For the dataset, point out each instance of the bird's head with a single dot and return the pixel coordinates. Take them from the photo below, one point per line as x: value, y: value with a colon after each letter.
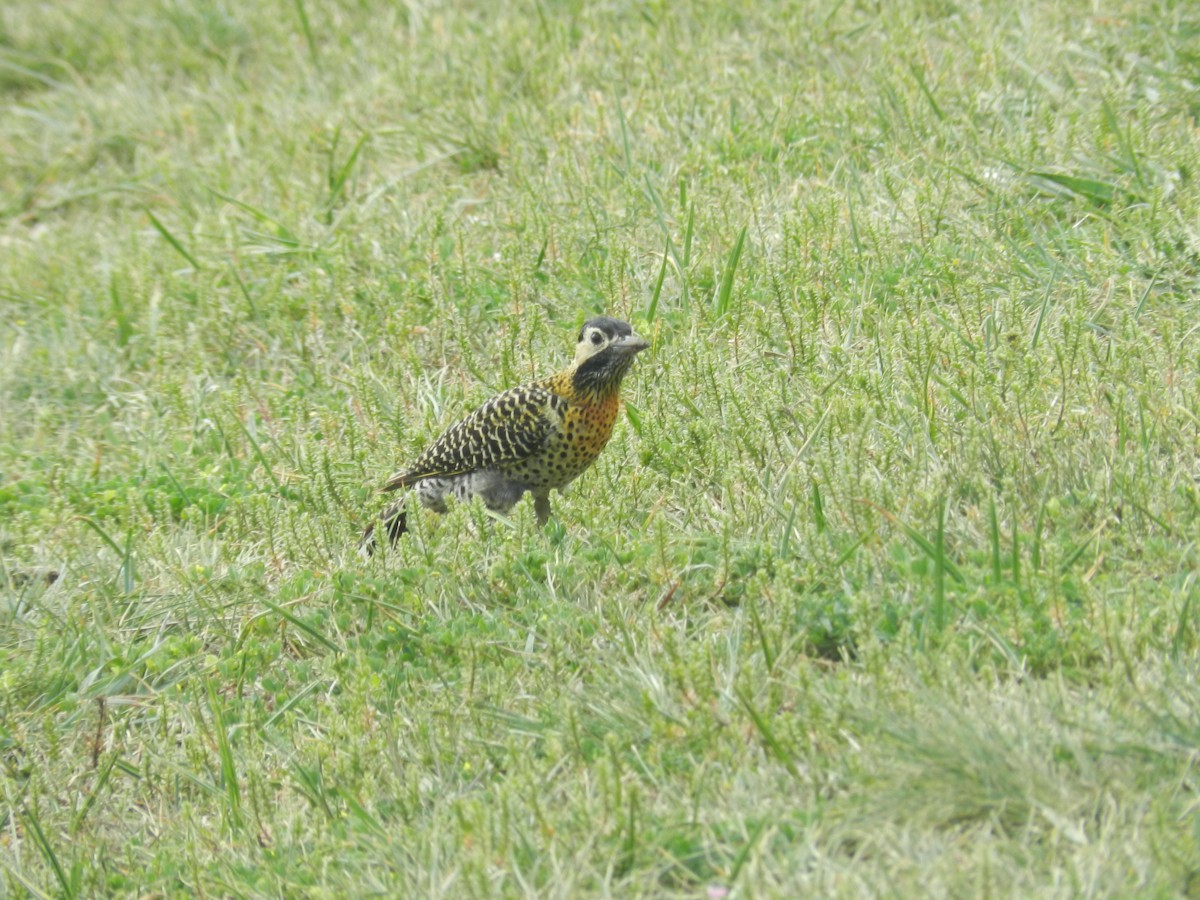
x: 604, y: 354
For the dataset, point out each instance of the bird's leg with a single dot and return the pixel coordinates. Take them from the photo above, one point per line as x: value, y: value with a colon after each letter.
x: 541, y: 506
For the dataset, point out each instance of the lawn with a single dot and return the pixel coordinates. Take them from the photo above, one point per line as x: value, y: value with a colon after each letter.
x: 887, y: 584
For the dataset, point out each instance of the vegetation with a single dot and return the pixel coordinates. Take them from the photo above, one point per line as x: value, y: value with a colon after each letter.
x: 887, y: 584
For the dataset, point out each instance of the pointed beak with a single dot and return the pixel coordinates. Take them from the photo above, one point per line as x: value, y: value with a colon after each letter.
x: 630, y: 344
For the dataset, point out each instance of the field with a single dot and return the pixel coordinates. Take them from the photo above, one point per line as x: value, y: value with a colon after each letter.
x: 887, y: 583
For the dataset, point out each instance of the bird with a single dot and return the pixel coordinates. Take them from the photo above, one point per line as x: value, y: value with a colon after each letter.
x: 532, y: 438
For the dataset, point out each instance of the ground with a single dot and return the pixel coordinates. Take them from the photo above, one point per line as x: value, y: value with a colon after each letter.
x: 887, y: 583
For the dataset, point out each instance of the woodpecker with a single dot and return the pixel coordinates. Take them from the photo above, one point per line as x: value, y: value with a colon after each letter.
x: 533, y: 438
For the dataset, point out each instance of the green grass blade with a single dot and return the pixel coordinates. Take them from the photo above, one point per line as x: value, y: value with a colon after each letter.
x: 661, y: 217
x: 97, y: 788
x: 282, y: 232
x: 941, y: 614
x: 303, y: 626
x: 308, y: 34
x: 768, y: 737
x: 228, y: 764
x: 918, y: 75
x: 173, y: 241
x: 635, y: 418
x: 1183, y: 623
x: 818, y: 508
x: 260, y: 456
x: 658, y: 286
x: 689, y: 233
x: 994, y: 535
x: 1041, y: 319
x: 34, y: 829
x: 338, y: 178
x: 725, y: 292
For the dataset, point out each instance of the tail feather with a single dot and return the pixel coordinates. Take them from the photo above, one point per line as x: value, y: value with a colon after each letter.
x: 394, y: 520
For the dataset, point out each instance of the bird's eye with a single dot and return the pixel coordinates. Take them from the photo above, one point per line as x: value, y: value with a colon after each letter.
x: 596, y: 337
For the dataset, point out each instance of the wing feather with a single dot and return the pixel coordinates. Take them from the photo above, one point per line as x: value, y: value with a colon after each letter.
x: 510, y: 427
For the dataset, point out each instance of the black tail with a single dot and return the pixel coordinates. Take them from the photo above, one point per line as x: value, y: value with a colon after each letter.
x: 394, y: 520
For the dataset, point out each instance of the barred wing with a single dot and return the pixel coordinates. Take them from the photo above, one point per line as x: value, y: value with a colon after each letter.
x: 510, y: 427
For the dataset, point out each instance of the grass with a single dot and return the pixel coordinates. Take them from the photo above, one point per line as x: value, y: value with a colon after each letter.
x: 887, y: 583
